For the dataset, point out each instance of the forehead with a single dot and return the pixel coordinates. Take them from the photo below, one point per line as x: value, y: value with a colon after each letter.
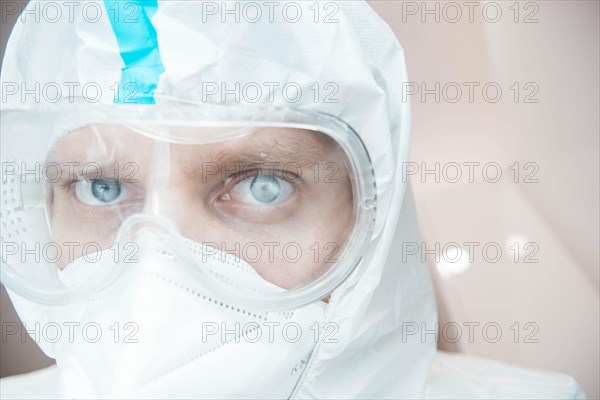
x: 138, y: 143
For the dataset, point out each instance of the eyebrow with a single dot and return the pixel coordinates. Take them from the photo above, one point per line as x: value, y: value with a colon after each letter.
x: 265, y: 146
x: 301, y: 149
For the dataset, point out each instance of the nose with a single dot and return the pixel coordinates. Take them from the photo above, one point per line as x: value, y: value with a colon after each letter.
x: 142, y: 226
x: 170, y: 209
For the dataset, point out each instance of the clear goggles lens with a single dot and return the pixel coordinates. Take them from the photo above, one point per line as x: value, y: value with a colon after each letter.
x: 286, y: 194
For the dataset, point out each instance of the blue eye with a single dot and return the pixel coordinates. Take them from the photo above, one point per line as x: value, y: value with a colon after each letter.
x: 262, y: 190
x: 265, y: 189
x: 99, y: 191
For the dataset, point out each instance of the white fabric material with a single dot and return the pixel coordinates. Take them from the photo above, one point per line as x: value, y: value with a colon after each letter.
x: 40, y: 384
x: 458, y: 376
x: 453, y: 376
x: 361, y: 55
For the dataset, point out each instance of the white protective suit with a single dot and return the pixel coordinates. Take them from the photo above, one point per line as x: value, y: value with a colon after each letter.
x: 375, y: 357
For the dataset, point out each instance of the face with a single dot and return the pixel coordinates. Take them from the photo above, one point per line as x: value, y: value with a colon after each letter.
x: 280, y: 199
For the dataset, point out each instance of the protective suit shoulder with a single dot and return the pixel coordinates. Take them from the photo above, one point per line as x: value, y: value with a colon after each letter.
x: 459, y: 376
x: 40, y: 384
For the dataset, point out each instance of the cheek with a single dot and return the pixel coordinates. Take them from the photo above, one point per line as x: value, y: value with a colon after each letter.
x: 77, y: 235
x: 300, y: 253
x: 297, y: 260
x: 73, y: 241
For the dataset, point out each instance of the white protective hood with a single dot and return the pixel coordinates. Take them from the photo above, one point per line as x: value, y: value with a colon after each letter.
x: 359, y: 53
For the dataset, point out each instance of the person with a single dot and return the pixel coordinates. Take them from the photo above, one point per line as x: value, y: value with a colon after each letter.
x: 215, y: 199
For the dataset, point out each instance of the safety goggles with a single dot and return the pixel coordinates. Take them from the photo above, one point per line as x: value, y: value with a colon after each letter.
x: 286, y: 193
